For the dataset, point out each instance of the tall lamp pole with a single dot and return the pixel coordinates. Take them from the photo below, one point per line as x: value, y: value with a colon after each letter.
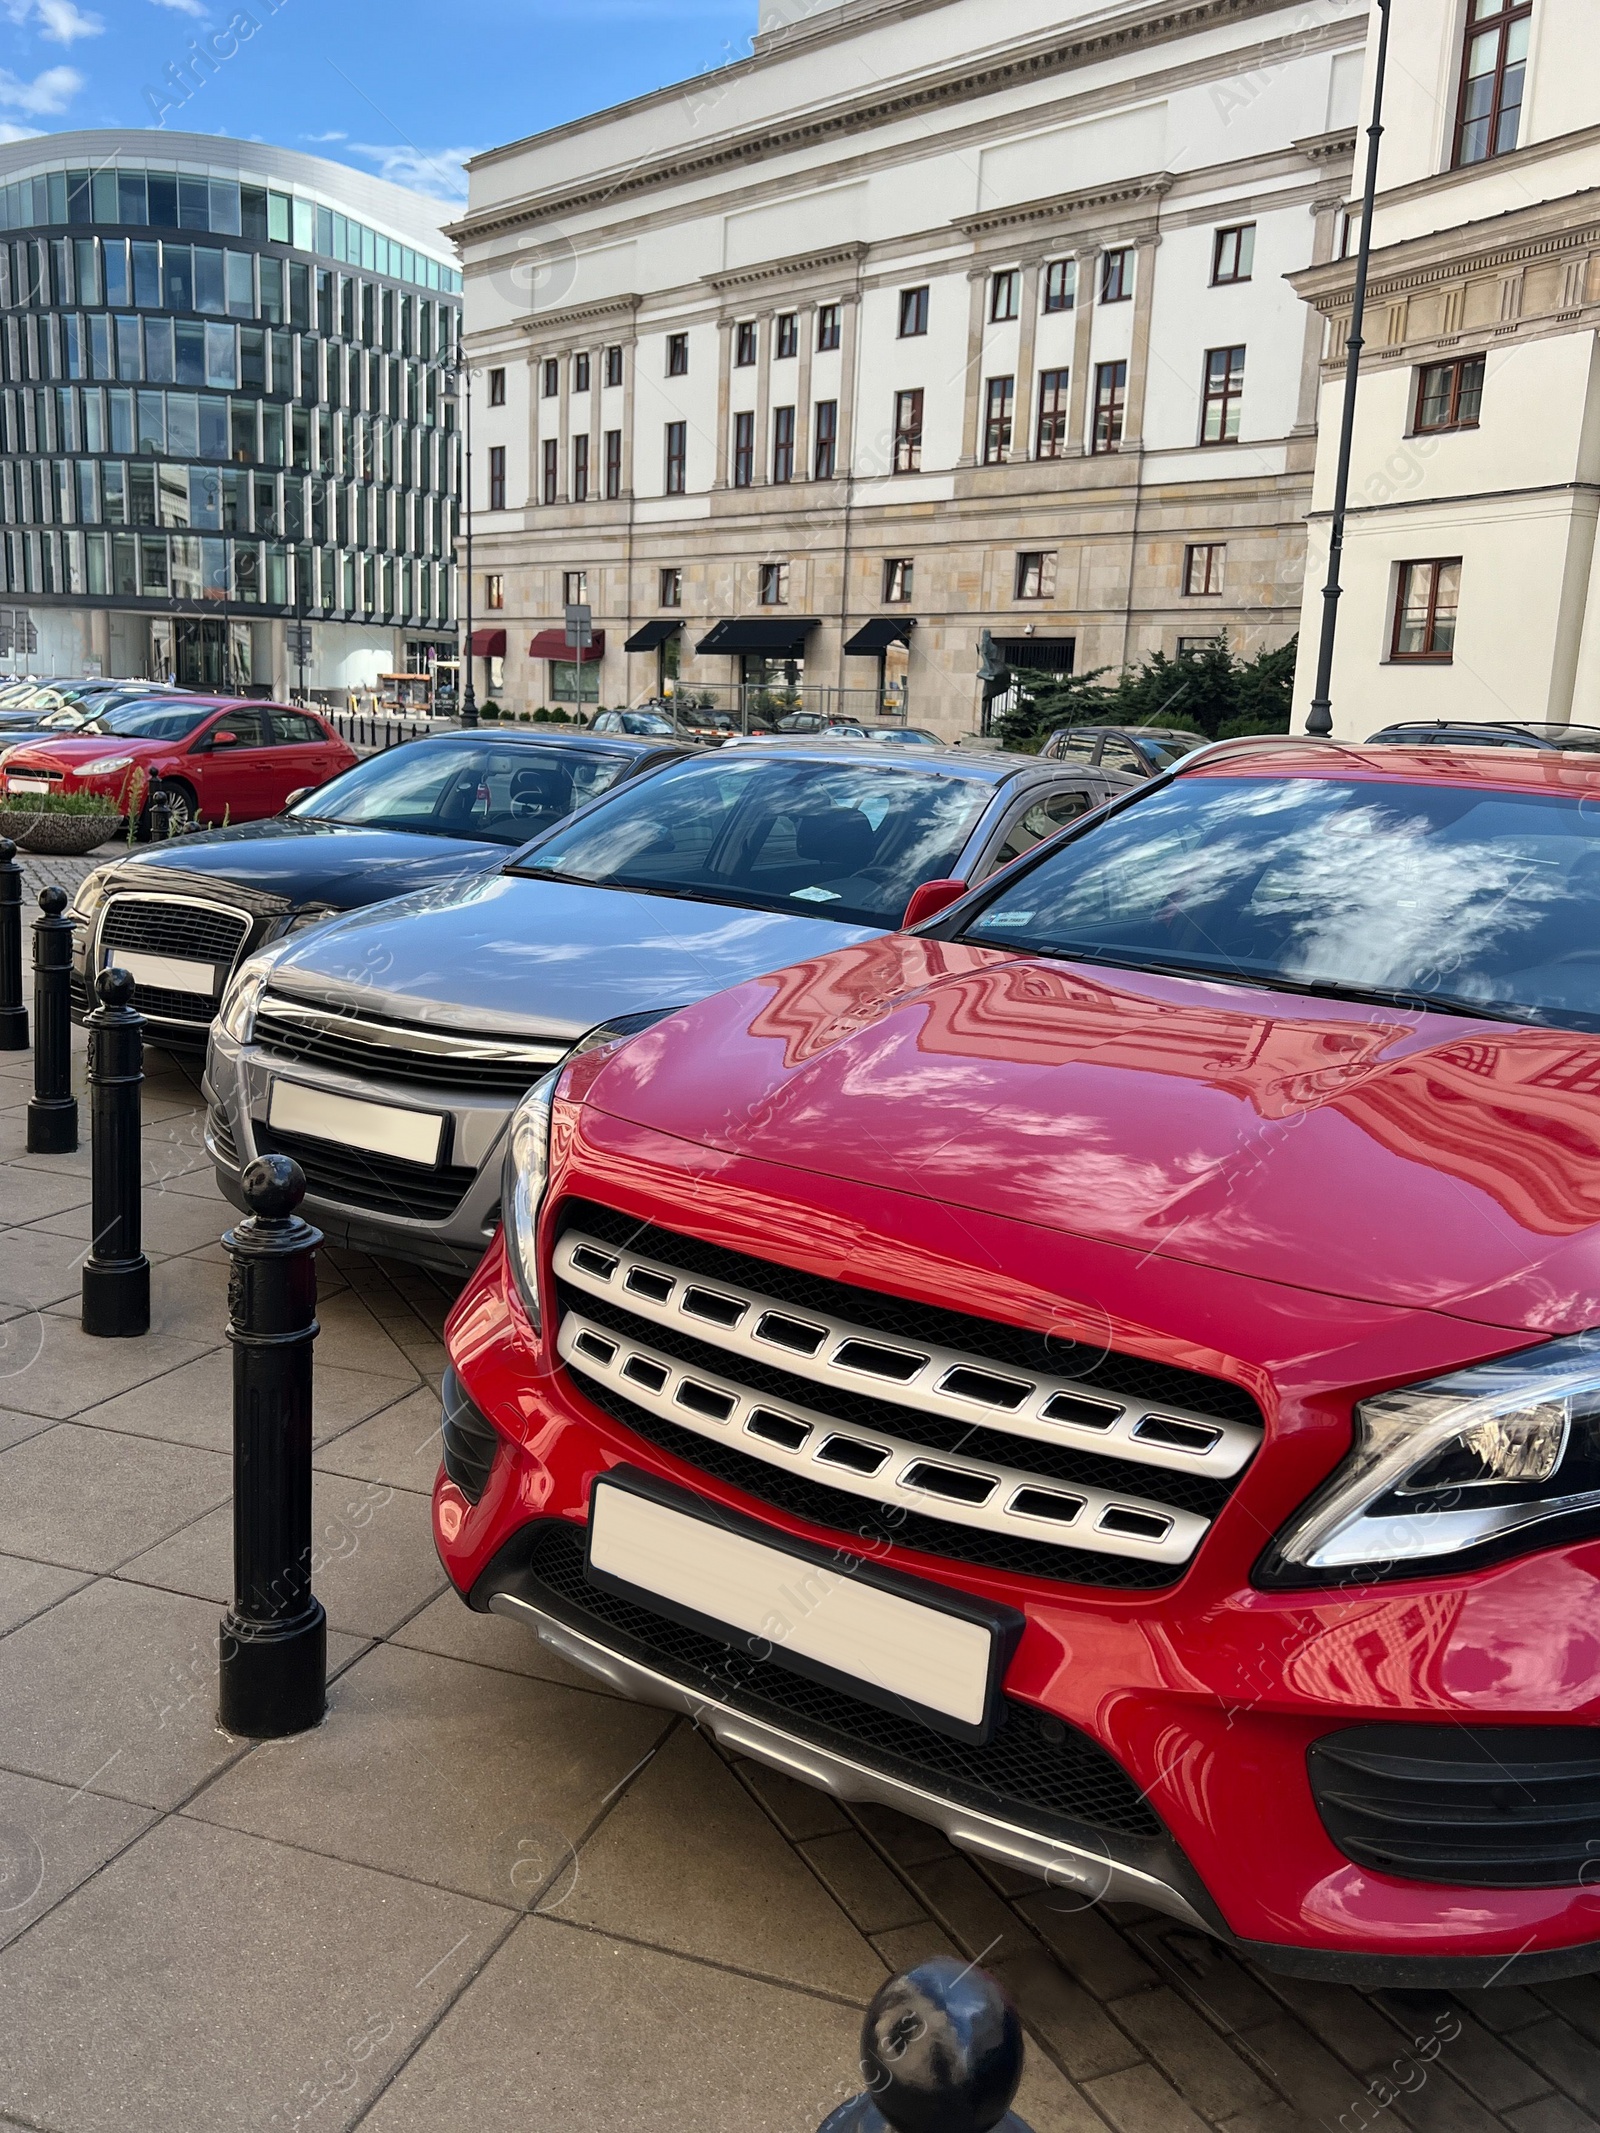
x: 1319, y: 718
x: 469, y: 697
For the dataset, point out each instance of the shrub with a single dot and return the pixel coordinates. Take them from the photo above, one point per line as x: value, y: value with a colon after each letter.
x: 489, y: 710
x: 1209, y: 690
x: 522, y: 718
x: 541, y: 717
x: 58, y: 803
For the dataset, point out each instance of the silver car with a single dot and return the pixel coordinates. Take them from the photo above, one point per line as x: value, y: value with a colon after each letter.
x: 385, y: 1050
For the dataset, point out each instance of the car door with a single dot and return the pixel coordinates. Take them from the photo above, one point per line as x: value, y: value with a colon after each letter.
x: 235, y: 780
x: 304, y: 754
x: 1037, y: 815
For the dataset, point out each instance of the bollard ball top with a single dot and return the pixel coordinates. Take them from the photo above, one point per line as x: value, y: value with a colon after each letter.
x: 274, y: 1185
x: 114, y: 987
x: 8, y: 851
x: 52, y: 901
x: 941, y: 2048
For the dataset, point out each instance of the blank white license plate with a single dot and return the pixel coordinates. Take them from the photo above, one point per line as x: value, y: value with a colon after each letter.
x: 382, y: 1129
x: 29, y: 785
x: 173, y: 973
x: 808, y: 1610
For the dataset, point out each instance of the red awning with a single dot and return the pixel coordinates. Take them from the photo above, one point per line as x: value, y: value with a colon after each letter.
x: 552, y: 644
x: 489, y: 644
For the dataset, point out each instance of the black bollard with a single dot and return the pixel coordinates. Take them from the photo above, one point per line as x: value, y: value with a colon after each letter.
x: 53, y: 1113
x: 941, y: 2052
x: 13, y: 1011
x: 274, y: 1649
x: 116, y: 1274
x: 159, y: 818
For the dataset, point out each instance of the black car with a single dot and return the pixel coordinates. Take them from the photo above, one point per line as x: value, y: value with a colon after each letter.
x: 180, y: 915
x: 1503, y: 733
x: 1146, y: 751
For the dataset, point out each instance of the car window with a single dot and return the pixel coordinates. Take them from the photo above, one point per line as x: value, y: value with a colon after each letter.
x: 650, y: 723
x: 249, y: 725
x: 1076, y: 741
x: 1042, y: 820
x: 1119, y: 753
x: 1162, y: 750
x: 298, y: 729
x: 840, y: 841
x: 1444, y: 892
x: 465, y: 788
x: 607, y: 722
x: 157, y: 721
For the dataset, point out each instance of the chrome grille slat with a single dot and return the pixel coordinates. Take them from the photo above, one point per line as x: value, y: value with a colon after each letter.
x: 183, y: 926
x: 364, y: 1044
x: 1221, y: 1449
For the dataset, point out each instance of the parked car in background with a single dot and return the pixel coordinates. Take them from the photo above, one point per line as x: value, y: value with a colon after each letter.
x: 1504, y: 733
x: 204, y: 758
x: 385, y: 1050
x: 182, y: 915
x: 1145, y: 751
x: 644, y: 725
x: 1114, y: 1373
x: 40, y: 715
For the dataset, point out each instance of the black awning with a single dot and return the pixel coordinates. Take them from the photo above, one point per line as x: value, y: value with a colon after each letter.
x: 882, y: 631
x: 776, y: 637
x: 654, y: 633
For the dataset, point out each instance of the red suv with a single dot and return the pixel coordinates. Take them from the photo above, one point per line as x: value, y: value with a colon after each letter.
x: 1113, y: 1373
x: 209, y: 758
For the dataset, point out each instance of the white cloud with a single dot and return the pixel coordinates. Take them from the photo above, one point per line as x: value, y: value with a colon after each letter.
x: 183, y: 7
x: 46, y: 94
x: 64, y: 23
x: 8, y: 132
x: 436, y: 172
x: 324, y: 137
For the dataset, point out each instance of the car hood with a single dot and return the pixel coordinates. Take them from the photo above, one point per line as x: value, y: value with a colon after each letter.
x: 507, y: 953
x: 1402, y: 1159
x: 305, y: 862
x: 73, y: 748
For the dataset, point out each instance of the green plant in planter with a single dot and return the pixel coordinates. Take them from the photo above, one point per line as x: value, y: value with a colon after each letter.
x: 59, y: 803
x: 490, y: 710
x: 522, y: 718
x: 541, y: 717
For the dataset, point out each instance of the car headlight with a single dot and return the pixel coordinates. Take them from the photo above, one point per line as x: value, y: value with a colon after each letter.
x: 1501, y: 1456
x: 526, y: 1174
x: 90, y: 894
x: 239, y: 1003
x: 104, y: 765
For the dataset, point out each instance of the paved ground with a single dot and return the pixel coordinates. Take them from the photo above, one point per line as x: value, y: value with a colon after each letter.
x: 486, y: 1894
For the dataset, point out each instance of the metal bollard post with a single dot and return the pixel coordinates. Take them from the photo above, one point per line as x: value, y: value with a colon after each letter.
x: 116, y: 1274
x: 53, y: 1112
x: 13, y: 1011
x: 159, y: 816
x: 941, y: 2052
x: 274, y: 1650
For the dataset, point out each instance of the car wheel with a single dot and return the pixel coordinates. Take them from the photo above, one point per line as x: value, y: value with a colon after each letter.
x: 183, y: 809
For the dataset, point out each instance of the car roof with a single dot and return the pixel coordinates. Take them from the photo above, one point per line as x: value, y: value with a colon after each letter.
x: 562, y: 737
x: 987, y: 768
x: 1150, y: 733
x: 1272, y: 755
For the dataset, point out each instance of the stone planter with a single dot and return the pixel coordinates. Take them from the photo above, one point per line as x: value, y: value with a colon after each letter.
x: 61, y: 836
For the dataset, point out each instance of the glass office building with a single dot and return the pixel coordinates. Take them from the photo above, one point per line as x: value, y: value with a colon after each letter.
x: 225, y: 413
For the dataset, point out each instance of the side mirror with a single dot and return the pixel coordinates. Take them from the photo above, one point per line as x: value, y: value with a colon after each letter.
x: 224, y: 739
x: 932, y: 898
x: 301, y: 792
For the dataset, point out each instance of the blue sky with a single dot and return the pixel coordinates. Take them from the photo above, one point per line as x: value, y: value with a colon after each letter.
x: 405, y: 88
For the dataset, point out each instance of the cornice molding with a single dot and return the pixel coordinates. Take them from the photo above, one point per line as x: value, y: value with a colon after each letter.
x: 578, y: 314
x: 1328, y: 147
x: 1457, y: 254
x: 843, y: 255
x: 1475, y: 174
x: 1063, y: 205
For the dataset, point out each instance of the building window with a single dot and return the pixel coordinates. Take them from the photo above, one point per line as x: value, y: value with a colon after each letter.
x: 497, y: 388
x: 671, y: 587
x: 1425, y: 603
x: 677, y: 458
x: 783, y: 444
x: 829, y: 328
x: 1233, y: 256
x: 788, y: 335
x: 552, y: 378
x: 1187, y: 646
x: 908, y: 432
x: 552, y: 470
x: 913, y: 313
x: 1202, y: 567
x: 1110, y: 404
x: 580, y: 469
x: 744, y: 449
x: 677, y: 355
x: 744, y: 343
x: 574, y: 588
x: 1450, y: 395
x: 997, y: 421
x: 614, y: 366
x: 898, y: 575
x: 825, y: 449
x: 1052, y: 414
x: 1005, y: 295
x: 497, y: 477
x: 1492, y: 69
x: 774, y: 585
x: 580, y: 373
x: 613, y: 464
x: 1116, y: 275
x: 494, y: 590
x: 1060, y: 285
x: 1224, y: 391
x: 1036, y: 574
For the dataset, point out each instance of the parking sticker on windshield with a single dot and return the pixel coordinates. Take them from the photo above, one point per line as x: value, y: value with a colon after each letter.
x: 816, y: 896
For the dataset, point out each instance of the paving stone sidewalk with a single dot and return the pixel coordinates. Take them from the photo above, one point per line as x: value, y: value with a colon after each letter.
x: 487, y: 1894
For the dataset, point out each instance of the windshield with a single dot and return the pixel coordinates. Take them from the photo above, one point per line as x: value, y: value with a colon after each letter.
x: 465, y: 788
x: 1163, y: 749
x: 1445, y: 894
x: 833, y: 840
x: 148, y: 720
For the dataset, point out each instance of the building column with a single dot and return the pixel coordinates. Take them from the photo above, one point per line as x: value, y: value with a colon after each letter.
x: 849, y: 383
x: 564, y: 426
x: 724, y: 396
x: 1083, y: 299
x: 1144, y: 269
x: 807, y: 330
x: 597, y: 421
x: 1325, y: 214
x: 763, y: 465
x: 630, y: 350
x: 1023, y: 399
x: 977, y: 284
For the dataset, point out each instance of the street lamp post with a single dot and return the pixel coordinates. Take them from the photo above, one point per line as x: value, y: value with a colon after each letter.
x: 1319, y: 718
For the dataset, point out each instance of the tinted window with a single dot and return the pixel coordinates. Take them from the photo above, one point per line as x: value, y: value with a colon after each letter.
x: 1120, y: 754
x: 160, y: 721
x: 1444, y: 892
x: 249, y: 728
x: 1162, y: 749
x: 1042, y: 820
x: 465, y: 789
x: 298, y: 728
x: 837, y: 840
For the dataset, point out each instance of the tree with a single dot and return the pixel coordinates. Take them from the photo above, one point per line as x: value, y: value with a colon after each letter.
x: 1206, y: 689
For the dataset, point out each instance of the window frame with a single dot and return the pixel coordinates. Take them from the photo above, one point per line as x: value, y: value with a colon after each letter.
x: 1057, y: 384
x: 785, y: 432
x: 675, y: 473
x: 574, y: 588
x: 613, y: 465
x: 1005, y: 296
x: 494, y: 591
x: 497, y: 386
x: 1046, y: 561
x: 497, y: 477
x: 550, y: 378
x: 669, y: 586
x: 613, y: 370
x: 743, y: 469
x: 1213, y: 570
x: 1226, y: 397
x: 1110, y: 400
x: 746, y: 344
x: 825, y: 440
x: 914, y: 312
x: 550, y: 486
x: 786, y: 336
x: 1239, y: 232
x: 1430, y: 656
x: 677, y: 355
x: 582, y: 371
x: 772, y: 584
x: 830, y: 328
x: 1116, y: 267
x: 1502, y: 20
x: 1064, y: 298
x: 910, y: 414
x: 1457, y: 366
x: 899, y: 580
x: 999, y: 420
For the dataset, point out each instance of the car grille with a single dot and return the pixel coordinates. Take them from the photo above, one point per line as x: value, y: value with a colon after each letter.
x: 1475, y: 1807
x: 368, y: 1046
x: 173, y: 926
x: 222, y: 1141
x: 1033, y: 1762
x: 954, y: 1435
x: 351, y: 1177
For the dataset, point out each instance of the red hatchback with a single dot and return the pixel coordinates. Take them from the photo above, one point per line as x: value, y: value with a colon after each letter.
x: 210, y: 758
x: 1116, y: 1372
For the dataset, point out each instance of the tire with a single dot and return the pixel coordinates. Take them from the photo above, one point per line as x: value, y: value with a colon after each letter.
x: 183, y: 808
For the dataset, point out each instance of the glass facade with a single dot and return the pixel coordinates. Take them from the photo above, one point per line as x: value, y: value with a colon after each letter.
x: 219, y: 397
